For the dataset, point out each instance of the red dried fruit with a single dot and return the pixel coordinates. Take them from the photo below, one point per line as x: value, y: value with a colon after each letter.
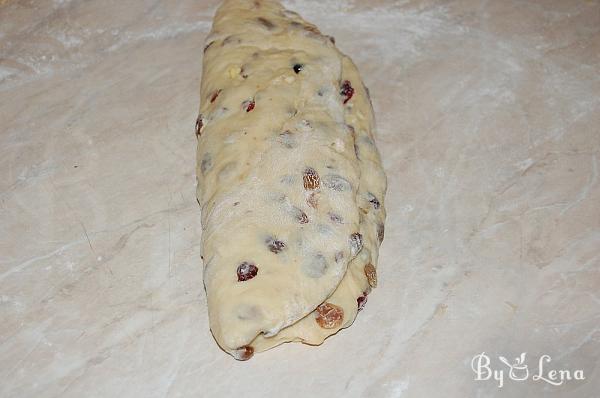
x: 246, y: 271
x: 361, y: 301
x: 356, y: 243
x: 275, y: 245
x: 243, y: 353
x: 380, y: 232
x: 248, y: 105
x: 329, y: 316
x: 311, y: 179
x: 313, y: 200
x: 199, y: 126
x: 347, y: 91
x: 371, y: 274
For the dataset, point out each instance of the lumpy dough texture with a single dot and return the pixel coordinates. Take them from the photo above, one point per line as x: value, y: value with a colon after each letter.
x: 289, y: 180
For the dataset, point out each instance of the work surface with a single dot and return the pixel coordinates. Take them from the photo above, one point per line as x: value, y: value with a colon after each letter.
x: 488, y: 123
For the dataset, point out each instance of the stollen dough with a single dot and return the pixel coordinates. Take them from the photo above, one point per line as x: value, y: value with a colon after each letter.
x: 289, y: 181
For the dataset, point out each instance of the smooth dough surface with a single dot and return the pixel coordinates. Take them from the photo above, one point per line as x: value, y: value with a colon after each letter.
x: 289, y: 180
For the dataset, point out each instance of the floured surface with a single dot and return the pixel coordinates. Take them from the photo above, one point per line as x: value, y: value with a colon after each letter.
x: 487, y: 118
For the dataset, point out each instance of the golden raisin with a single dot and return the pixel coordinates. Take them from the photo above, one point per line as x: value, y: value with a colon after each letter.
x: 329, y: 316
x: 371, y: 274
x: 311, y: 179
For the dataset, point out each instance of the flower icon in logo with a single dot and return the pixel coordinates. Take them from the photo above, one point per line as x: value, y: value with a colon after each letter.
x: 517, y: 371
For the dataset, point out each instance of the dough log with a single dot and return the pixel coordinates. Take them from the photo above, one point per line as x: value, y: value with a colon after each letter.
x: 290, y: 181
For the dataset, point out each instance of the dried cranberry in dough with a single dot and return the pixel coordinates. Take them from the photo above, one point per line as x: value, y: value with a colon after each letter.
x: 361, y: 301
x: 246, y: 271
x: 346, y: 91
x: 248, y: 105
x: 329, y: 316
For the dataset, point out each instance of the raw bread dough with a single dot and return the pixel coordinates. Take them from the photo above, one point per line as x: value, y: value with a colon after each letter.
x: 289, y: 180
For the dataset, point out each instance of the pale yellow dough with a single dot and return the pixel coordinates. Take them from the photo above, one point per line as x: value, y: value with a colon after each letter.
x: 272, y: 113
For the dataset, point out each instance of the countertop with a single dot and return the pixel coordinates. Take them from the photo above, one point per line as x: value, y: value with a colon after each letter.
x: 488, y: 119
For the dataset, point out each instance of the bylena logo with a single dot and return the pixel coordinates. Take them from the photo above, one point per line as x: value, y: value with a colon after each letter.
x: 519, y: 371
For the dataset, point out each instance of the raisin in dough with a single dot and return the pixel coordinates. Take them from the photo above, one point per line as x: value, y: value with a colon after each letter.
x: 289, y: 181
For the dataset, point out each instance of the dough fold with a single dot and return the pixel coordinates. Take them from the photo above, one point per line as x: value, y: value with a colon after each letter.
x: 290, y: 181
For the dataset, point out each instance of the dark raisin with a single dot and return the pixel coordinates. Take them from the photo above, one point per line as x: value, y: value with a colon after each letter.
x: 243, y: 353
x: 356, y: 243
x: 246, y: 271
x: 361, y: 301
x: 298, y: 68
x: 346, y: 91
x: 311, y: 179
x: 248, y: 105
x: 373, y: 200
x: 199, y: 125
x: 266, y: 23
x: 215, y: 95
x: 275, y: 245
x: 380, y: 232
